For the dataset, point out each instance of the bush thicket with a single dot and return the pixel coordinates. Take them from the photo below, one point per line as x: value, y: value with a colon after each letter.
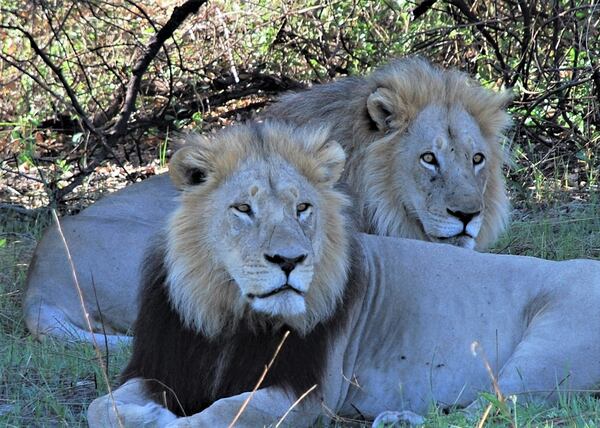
x: 69, y: 71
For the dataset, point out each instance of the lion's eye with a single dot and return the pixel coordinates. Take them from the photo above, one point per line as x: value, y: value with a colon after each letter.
x: 429, y: 158
x: 242, y: 208
x: 300, y: 208
x: 478, y: 158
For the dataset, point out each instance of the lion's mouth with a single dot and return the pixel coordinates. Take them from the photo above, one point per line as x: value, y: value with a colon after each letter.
x: 285, y: 287
x: 459, y: 235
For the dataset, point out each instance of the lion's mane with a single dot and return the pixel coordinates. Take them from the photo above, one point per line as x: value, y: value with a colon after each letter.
x: 191, y: 316
x: 413, y: 84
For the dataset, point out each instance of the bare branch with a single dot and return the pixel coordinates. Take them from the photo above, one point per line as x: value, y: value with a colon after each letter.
x: 596, y: 78
x: 13, y: 63
x: 180, y: 13
x: 422, y: 8
x: 466, y: 11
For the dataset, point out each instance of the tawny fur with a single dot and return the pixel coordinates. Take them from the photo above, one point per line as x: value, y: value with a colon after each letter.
x: 199, y: 284
x: 353, y: 108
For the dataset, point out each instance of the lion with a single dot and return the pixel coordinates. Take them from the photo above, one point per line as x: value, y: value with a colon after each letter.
x: 423, y: 161
x: 424, y: 149
x: 261, y: 254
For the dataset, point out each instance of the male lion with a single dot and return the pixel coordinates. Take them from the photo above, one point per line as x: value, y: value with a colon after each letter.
x: 260, y: 245
x: 424, y: 149
x: 424, y: 162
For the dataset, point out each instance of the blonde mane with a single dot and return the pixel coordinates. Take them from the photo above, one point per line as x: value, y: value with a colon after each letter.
x: 415, y: 83
x: 200, y: 287
x: 404, y: 87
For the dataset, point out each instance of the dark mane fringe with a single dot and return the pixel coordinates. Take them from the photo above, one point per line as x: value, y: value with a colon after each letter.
x: 188, y: 372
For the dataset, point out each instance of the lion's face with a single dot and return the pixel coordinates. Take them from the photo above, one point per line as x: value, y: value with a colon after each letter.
x: 260, y: 233
x: 436, y: 173
x: 446, y: 155
x: 267, y: 231
x: 432, y: 169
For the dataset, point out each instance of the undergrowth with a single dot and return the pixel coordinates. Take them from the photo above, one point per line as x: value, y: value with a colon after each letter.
x: 41, y: 384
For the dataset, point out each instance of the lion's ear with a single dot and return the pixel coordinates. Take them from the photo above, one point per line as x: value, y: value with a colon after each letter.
x: 380, y: 106
x: 188, y: 167
x: 331, y: 158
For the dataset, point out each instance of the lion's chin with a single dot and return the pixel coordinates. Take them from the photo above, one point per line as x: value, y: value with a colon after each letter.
x: 285, y: 303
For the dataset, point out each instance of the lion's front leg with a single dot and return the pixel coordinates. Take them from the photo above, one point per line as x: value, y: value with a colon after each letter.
x: 265, y: 408
x: 128, y: 407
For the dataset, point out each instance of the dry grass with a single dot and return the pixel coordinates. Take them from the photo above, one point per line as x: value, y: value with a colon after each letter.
x: 41, y: 384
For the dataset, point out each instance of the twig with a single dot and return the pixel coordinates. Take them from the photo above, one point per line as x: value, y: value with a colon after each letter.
x: 260, y: 381
x: 20, y: 174
x: 19, y: 209
x: 466, y: 11
x: 422, y: 8
x: 477, y: 349
x: 180, y: 13
x: 71, y: 94
x: 596, y: 78
x: 58, y: 73
x: 227, y: 45
x: 167, y: 104
x: 10, y: 61
x: 77, y: 179
x: 280, y: 421
x: 56, y: 35
x: 548, y: 94
x: 485, y: 415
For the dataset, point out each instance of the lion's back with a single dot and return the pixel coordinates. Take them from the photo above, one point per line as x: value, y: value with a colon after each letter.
x: 335, y: 105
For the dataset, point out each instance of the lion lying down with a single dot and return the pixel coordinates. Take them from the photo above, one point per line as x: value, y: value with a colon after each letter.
x: 424, y: 161
x: 260, y: 245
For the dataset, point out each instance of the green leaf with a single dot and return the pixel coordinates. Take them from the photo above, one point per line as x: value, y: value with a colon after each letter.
x: 77, y: 137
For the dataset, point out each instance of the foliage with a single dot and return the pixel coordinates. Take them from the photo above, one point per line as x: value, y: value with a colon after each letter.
x: 232, y: 57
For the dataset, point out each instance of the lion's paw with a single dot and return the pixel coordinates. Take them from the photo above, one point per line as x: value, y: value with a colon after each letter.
x: 149, y: 416
x: 391, y: 418
x: 157, y: 415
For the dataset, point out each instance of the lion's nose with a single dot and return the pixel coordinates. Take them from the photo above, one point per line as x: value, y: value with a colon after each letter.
x: 462, y: 216
x: 287, y: 264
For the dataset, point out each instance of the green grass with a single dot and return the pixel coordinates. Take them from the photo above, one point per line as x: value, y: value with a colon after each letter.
x: 582, y: 411
x: 41, y: 384
x: 51, y: 384
x: 557, y: 232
